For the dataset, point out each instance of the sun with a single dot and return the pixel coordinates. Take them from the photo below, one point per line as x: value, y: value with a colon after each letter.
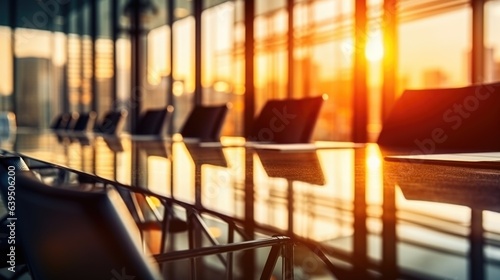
x: 374, y: 49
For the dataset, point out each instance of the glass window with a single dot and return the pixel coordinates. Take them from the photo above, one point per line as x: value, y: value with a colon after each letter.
x: 271, y: 63
x: 219, y: 64
x: 74, y: 71
x: 374, y: 54
x: 492, y: 42
x: 104, y: 59
x: 123, y: 57
x: 434, y: 49
x: 157, y: 58
x: 183, y: 72
x: 182, y: 9
x: 158, y: 67
x: 33, y: 58
x: 6, y: 56
x: 87, y: 59
x: 323, y: 62
x: 6, y: 69
x: 265, y: 6
x: 123, y: 72
x: 58, y: 65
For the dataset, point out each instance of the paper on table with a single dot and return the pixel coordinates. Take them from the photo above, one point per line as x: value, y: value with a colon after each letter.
x: 286, y: 147
x: 210, y: 144
x: 457, y: 157
x: 147, y: 138
x: 487, y: 160
x: 307, y: 146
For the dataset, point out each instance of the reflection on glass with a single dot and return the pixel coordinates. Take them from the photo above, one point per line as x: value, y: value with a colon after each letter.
x: 158, y: 180
x: 323, y: 213
x: 183, y: 173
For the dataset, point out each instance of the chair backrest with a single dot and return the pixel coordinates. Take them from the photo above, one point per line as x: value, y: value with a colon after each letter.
x: 112, y: 123
x: 85, y: 122
x: 205, y: 122
x: 287, y: 120
x: 451, y: 119
x: 60, y: 121
x: 56, y: 123
x: 153, y: 121
x: 65, y: 121
x: 73, y: 234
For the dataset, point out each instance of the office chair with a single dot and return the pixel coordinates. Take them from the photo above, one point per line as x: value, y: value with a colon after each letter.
x: 205, y: 122
x: 60, y: 121
x: 64, y: 121
x: 448, y: 119
x: 287, y: 120
x: 152, y: 122
x: 85, y: 122
x: 70, y: 234
x: 112, y: 123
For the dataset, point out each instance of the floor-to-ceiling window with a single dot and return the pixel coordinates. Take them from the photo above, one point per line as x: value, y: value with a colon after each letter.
x: 87, y: 57
x: 157, y: 59
x: 104, y: 58
x: 434, y: 45
x: 323, y: 62
x: 492, y: 41
x: 75, y: 68
x: 222, y: 67
x: 374, y: 54
x: 434, y: 50
x: 39, y: 57
x: 183, y: 44
x: 123, y: 59
x: 270, y: 35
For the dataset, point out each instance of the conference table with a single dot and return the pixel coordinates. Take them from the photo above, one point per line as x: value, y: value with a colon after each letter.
x: 353, y: 212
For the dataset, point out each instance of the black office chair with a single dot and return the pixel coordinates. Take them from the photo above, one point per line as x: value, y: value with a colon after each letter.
x: 448, y: 119
x: 58, y: 121
x: 65, y: 121
x: 287, y: 120
x: 112, y: 123
x: 85, y: 122
x: 205, y: 122
x: 70, y: 234
x: 153, y: 121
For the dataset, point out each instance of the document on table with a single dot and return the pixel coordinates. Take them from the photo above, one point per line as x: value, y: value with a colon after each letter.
x: 483, y: 159
x: 307, y: 146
